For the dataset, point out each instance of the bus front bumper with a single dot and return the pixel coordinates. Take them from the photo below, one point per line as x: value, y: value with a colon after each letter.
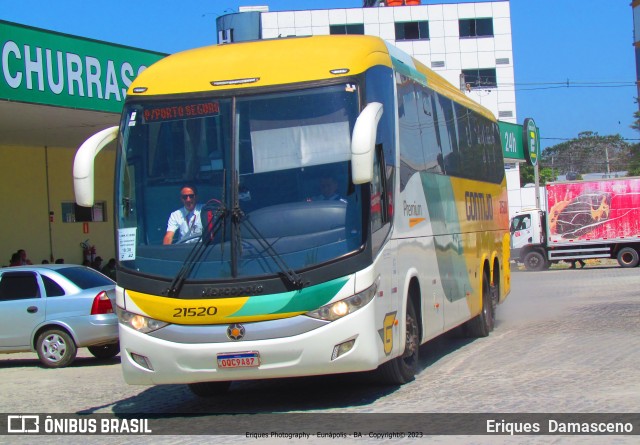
x: 149, y: 360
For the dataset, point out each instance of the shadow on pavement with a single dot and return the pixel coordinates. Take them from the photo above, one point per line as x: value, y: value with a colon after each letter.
x: 79, y: 362
x: 276, y: 395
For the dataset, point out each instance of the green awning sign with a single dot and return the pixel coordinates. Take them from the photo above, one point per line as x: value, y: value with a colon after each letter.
x: 51, y: 68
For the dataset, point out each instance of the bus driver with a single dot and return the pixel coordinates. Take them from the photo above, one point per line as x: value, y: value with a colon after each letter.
x: 185, y: 219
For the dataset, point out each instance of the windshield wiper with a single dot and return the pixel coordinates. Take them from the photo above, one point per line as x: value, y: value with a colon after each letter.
x: 293, y: 279
x: 199, y: 247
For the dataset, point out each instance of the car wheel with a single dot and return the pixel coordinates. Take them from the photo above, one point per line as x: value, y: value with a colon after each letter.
x: 403, y: 368
x: 105, y: 351
x: 209, y: 389
x: 628, y: 257
x: 56, y: 348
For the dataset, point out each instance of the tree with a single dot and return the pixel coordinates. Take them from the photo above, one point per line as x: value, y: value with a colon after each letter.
x: 527, y: 175
x: 588, y: 153
x: 634, y: 161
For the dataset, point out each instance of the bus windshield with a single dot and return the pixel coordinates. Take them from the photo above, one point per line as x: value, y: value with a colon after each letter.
x: 271, y: 179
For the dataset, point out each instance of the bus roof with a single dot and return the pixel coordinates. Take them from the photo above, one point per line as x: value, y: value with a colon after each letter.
x: 272, y: 62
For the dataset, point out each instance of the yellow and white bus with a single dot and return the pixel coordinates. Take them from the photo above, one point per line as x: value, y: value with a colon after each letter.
x: 352, y: 206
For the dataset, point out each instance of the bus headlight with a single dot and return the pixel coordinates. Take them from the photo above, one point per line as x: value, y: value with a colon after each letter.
x: 338, y: 309
x: 138, y: 322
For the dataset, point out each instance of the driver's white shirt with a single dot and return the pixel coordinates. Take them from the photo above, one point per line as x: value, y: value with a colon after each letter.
x: 188, y: 229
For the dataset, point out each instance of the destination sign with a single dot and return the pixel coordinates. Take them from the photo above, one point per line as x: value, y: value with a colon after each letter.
x: 173, y: 112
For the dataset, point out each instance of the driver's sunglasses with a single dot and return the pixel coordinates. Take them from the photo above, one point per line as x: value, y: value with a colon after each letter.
x: 189, y: 196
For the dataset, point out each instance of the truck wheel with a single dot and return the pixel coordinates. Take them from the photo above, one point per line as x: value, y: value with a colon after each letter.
x: 534, y: 261
x: 628, y: 257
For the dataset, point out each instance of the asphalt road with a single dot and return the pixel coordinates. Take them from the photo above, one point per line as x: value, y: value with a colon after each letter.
x: 566, y: 341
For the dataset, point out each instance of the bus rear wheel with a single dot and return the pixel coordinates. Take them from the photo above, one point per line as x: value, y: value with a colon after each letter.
x: 403, y: 368
x: 483, y: 323
x: 209, y: 389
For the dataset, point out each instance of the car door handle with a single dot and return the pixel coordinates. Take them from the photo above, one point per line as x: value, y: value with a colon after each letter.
x: 32, y: 309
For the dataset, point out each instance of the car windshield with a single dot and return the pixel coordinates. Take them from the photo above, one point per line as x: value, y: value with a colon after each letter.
x: 254, y: 185
x: 84, y: 277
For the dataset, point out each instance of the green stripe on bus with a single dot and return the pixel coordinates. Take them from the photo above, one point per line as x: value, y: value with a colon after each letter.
x: 303, y: 300
x: 408, y: 71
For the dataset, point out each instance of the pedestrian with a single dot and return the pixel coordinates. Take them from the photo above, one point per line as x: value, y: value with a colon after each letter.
x: 15, y: 259
x: 110, y: 269
x: 97, y: 263
x: 23, y: 257
x: 573, y: 263
x: 60, y: 261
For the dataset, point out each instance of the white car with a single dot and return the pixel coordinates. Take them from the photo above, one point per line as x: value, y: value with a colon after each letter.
x: 54, y: 309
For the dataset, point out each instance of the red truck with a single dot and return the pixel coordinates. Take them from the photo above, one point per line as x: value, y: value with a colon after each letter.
x: 585, y: 219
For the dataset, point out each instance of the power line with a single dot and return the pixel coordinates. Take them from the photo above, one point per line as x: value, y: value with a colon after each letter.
x: 534, y: 86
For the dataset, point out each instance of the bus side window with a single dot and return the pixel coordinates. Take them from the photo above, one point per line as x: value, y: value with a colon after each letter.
x: 379, y: 201
x: 379, y: 216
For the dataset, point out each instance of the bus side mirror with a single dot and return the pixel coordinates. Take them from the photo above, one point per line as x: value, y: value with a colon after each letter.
x: 363, y: 142
x: 83, y: 177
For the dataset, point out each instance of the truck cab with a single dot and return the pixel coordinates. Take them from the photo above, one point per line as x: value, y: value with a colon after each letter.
x: 528, y: 239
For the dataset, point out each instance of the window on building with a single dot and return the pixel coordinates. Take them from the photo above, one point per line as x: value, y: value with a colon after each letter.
x: 476, y: 27
x: 351, y: 28
x: 480, y: 78
x: 72, y: 212
x: 412, y: 30
x: 225, y: 36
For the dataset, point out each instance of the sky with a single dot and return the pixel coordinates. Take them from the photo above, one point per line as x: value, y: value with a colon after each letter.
x: 574, y: 61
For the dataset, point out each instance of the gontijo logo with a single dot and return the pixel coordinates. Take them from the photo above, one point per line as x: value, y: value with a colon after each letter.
x: 479, y: 206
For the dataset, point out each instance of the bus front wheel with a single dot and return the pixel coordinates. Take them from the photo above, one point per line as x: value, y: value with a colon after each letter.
x: 403, y: 368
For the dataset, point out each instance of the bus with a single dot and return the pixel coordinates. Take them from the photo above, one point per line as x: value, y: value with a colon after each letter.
x: 277, y: 281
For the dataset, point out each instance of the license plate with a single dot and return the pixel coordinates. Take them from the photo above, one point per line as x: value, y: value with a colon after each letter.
x: 239, y: 360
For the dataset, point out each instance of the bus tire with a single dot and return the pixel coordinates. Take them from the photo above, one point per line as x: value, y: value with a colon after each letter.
x: 482, y: 324
x: 534, y: 260
x: 209, y: 389
x: 403, y: 368
x: 628, y: 257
